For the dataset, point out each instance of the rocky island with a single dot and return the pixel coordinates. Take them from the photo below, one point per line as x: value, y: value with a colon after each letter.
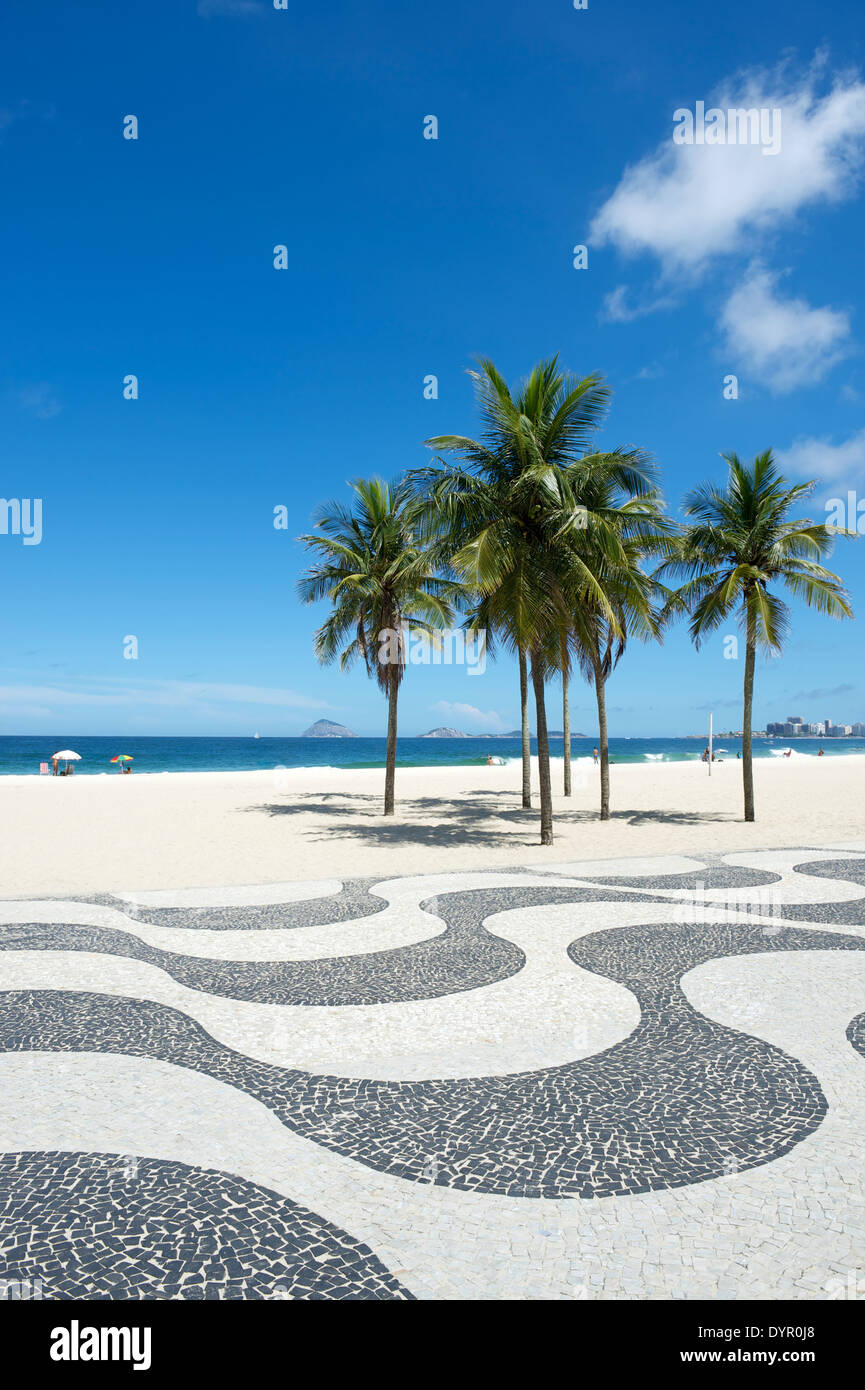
x: 324, y: 728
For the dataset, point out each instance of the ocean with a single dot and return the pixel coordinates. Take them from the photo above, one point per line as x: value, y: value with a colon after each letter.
x: 23, y: 754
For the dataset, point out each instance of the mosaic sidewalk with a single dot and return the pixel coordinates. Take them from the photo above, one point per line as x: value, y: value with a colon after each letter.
x: 622, y: 1079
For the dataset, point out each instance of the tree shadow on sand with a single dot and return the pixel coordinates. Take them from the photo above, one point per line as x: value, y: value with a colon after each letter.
x: 360, y: 817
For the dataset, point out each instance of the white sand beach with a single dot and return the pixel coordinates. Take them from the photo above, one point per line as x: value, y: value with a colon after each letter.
x: 172, y: 830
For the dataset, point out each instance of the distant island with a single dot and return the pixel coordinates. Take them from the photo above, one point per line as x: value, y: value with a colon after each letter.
x: 445, y: 732
x: 324, y: 728
x: 518, y: 733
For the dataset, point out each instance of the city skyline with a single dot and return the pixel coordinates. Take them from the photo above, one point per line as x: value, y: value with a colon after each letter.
x: 821, y: 728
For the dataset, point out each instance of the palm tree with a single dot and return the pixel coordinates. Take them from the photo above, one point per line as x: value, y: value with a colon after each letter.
x: 619, y: 487
x: 480, y: 619
x: 500, y: 516
x: 743, y: 540
x: 509, y: 567
x: 525, y: 736
x: 566, y: 713
x: 380, y: 581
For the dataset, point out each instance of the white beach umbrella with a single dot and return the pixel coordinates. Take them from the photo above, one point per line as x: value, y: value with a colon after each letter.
x: 67, y: 756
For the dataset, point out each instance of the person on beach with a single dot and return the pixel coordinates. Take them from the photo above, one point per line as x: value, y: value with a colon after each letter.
x: 595, y: 756
x: 819, y: 752
x: 490, y: 760
x: 53, y: 767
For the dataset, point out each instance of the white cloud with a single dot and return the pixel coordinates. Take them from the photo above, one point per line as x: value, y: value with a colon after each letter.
x: 836, y: 465
x: 488, y: 719
x: 616, y: 309
x: 37, y: 399
x: 783, y: 342
x: 171, y: 694
x: 688, y: 203
x: 650, y: 373
x: 246, y: 695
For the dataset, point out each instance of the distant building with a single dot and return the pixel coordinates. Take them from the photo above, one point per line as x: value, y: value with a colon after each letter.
x: 795, y: 727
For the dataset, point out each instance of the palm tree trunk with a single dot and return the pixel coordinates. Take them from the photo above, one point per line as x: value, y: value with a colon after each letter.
x: 390, y: 763
x: 543, y: 752
x: 566, y: 718
x: 524, y: 724
x: 603, y: 735
x: 747, y: 752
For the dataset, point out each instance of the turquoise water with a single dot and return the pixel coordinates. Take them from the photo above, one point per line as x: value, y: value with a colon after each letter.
x: 24, y: 754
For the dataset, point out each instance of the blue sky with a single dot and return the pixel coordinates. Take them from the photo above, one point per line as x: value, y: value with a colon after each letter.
x: 407, y: 257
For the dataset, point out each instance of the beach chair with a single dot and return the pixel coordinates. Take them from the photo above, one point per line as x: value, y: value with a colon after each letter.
x: 44, y: 770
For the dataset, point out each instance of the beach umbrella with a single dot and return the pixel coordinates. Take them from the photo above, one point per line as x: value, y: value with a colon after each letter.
x: 122, y: 758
